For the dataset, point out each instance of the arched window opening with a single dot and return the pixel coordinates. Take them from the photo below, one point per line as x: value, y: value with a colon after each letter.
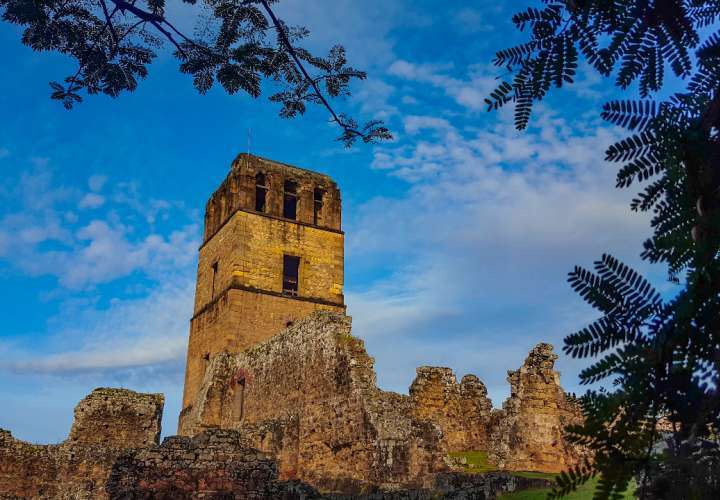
x: 261, y: 190
x: 290, y: 200
x: 318, y: 205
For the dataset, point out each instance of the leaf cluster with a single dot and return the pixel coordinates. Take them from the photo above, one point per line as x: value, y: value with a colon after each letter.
x: 239, y: 44
x: 636, y: 40
x: 660, y: 356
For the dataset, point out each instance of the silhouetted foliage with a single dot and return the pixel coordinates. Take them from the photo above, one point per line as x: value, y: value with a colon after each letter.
x: 662, y: 357
x: 239, y: 44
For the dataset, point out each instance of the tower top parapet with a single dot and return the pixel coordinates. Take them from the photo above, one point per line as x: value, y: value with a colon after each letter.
x: 275, y: 189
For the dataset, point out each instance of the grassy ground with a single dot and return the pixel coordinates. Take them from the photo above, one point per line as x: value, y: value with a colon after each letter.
x: 585, y: 492
x: 477, y: 463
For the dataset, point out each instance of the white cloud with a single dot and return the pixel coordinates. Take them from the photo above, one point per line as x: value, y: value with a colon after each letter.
x: 130, y: 334
x: 468, y: 93
x: 43, y: 237
x: 484, y: 239
x: 91, y: 200
x: 414, y: 123
x: 96, y: 182
x: 373, y: 96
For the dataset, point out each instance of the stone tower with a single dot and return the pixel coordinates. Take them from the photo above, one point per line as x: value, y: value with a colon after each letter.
x: 272, y: 253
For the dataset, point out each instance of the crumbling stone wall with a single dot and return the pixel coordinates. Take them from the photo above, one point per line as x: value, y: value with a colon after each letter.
x: 117, y: 418
x: 218, y: 463
x: 309, y: 396
x: 460, y: 410
x: 213, y: 464
x: 107, y: 423
x: 527, y: 434
x: 298, y: 417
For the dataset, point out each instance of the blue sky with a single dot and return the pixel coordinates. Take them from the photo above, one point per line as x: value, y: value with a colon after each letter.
x: 459, y: 233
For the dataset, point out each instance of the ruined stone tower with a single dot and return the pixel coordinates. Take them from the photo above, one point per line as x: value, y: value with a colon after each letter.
x: 272, y: 253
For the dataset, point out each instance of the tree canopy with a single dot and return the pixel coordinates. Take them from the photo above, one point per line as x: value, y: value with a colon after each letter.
x: 237, y: 43
x: 658, y: 422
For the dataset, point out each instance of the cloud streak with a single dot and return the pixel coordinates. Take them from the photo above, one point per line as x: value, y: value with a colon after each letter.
x: 130, y: 334
x: 46, y: 236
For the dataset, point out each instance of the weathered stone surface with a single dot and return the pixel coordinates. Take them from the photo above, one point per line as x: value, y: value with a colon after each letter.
x: 239, y: 299
x: 527, y: 434
x: 107, y: 423
x: 308, y: 396
x: 460, y: 410
x: 117, y: 418
x: 213, y: 464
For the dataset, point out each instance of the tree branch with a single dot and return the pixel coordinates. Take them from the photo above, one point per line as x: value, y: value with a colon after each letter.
x: 150, y: 17
x: 108, y: 19
x: 286, y: 41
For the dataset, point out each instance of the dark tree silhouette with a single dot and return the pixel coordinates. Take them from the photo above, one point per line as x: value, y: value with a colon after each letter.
x: 239, y: 44
x: 662, y: 357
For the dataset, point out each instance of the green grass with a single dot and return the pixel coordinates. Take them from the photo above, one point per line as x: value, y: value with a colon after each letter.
x: 535, y: 475
x: 477, y: 461
x: 585, y: 492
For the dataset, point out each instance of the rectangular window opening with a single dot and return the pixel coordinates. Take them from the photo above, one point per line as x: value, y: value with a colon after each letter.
x: 261, y: 190
x: 290, y: 200
x: 239, y: 397
x: 291, y: 267
x: 214, y: 275
x: 318, y: 205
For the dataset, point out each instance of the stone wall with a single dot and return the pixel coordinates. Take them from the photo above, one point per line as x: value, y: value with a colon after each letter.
x: 460, y: 410
x: 108, y: 422
x: 527, y: 434
x: 237, y: 320
x: 308, y: 397
x: 117, y: 418
x: 215, y: 463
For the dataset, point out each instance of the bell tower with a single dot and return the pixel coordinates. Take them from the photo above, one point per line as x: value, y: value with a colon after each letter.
x: 272, y: 253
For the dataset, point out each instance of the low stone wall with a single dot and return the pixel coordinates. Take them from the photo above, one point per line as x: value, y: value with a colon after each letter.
x: 213, y: 464
x: 107, y: 423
